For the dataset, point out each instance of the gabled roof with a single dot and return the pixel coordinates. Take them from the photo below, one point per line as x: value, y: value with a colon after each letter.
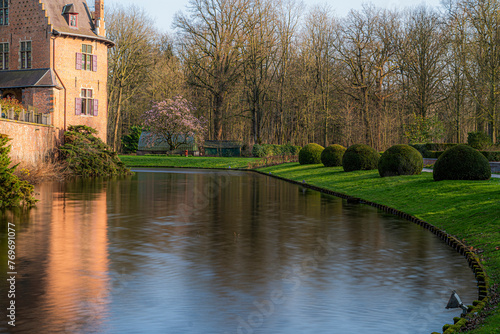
x: 27, y: 78
x: 56, y: 10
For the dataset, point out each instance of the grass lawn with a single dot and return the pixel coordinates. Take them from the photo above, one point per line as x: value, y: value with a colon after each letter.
x: 179, y: 161
x: 469, y: 210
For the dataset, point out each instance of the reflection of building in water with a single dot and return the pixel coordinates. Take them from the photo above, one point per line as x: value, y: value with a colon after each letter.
x: 76, y: 281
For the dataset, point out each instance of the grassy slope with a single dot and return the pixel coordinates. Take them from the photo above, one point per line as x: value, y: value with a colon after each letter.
x: 178, y: 161
x: 469, y: 210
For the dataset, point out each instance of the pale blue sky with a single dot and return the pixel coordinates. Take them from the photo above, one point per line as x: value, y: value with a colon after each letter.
x: 162, y: 11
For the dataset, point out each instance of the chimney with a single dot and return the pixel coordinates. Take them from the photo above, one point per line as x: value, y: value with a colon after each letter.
x: 100, y: 26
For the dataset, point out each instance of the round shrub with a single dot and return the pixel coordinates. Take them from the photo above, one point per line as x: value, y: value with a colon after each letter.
x: 310, y: 154
x: 461, y: 162
x: 360, y: 157
x: 400, y: 160
x: 332, y: 155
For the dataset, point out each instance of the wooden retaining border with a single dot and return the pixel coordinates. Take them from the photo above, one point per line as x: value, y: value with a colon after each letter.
x: 459, y: 246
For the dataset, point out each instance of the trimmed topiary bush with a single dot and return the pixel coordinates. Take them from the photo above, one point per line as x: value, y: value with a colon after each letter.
x: 332, y: 155
x: 461, y: 162
x: 310, y: 154
x: 360, y: 157
x: 400, y: 160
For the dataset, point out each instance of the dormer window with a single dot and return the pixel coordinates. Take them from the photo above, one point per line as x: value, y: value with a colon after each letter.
x: 73, y: 20
x: 71, y: 15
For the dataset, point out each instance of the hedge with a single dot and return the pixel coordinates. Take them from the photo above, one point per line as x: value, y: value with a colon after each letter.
x: 268, y: 150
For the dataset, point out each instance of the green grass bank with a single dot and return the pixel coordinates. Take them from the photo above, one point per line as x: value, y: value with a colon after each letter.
x: 179, y: 161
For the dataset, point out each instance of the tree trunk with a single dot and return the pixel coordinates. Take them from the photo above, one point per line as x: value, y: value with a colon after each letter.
x: 117, y: 121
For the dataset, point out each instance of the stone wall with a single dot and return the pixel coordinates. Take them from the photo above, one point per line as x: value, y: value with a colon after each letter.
x: 31, y: 143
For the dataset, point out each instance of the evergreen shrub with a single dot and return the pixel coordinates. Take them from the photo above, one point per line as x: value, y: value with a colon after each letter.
x: 332, y: 155
x: 310, y: 154
x: 461, y: 162
x: 360, y: 157
x: 479, y: 140
x: 13, y: 192
x: 400, y: 160
x: 130, y: 142
x: 88, y: 156
x: 268, y: 150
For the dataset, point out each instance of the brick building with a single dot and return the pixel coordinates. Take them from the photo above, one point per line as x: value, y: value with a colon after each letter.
x: 53, y: 58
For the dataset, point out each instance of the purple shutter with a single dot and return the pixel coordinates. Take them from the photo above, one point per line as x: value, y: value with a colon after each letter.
x: 78, y: 61
x: 78, y: 106
x: 96, y: 104
x: 94, y: 63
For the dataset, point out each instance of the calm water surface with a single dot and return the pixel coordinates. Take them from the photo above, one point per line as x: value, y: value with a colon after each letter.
x: 186, y: 251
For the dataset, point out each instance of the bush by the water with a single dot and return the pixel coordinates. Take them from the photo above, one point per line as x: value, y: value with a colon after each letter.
x: 360, y: 157
x: 310, y: 154
x: 461, y: 162
x: 400, y: 160
x: 479, y: 140
x: 130, y: 142
x: 332, y: 155
x: 87, y: 155
x: 13, y: 192
x: 268, y: 150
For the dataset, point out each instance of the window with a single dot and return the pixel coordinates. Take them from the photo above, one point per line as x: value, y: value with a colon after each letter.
x: 4, y: 12
x: 4, y: 56
x: 86, y: 60
x: 86, y: 104
x: 25, y: 55
x: 73, y: 22
x: 87, y: 57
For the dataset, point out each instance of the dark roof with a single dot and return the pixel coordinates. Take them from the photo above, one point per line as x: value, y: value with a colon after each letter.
x: 152, y: 142
x: 69, y: 9
x: 222, y: 144
x: 27, y: 78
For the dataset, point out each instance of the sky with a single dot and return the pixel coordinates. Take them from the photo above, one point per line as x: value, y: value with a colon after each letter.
x: 163, y: 11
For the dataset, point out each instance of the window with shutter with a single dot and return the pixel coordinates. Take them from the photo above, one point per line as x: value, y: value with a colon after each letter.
x: 78, y: 106
x: 96, y: 107
x: 94, y: 63
x: 78, y: 61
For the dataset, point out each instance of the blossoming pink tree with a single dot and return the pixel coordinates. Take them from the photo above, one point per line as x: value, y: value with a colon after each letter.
x: 173, y: 122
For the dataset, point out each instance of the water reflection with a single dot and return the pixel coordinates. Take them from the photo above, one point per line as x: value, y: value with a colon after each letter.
x: 218, y: 252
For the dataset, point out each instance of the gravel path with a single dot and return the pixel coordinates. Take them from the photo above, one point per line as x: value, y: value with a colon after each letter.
x: 496, y: 176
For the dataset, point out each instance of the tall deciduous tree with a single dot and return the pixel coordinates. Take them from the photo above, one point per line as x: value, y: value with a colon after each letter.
x: 212, y: 41
x: 133, y: 32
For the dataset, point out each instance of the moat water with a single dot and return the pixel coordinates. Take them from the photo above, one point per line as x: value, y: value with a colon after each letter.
x: 191, y: 251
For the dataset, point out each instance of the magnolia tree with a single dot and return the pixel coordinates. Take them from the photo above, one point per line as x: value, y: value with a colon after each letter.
x: 173, y: 122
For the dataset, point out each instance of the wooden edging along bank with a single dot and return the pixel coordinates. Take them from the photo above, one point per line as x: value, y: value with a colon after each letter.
x: 459, y: 246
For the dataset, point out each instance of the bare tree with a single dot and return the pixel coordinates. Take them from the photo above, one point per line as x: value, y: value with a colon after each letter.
x: 132, y: 31
x: 422, y: 58
x: 212, y: 41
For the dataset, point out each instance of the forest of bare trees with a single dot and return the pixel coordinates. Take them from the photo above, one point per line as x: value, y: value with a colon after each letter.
x: 268, y: 71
